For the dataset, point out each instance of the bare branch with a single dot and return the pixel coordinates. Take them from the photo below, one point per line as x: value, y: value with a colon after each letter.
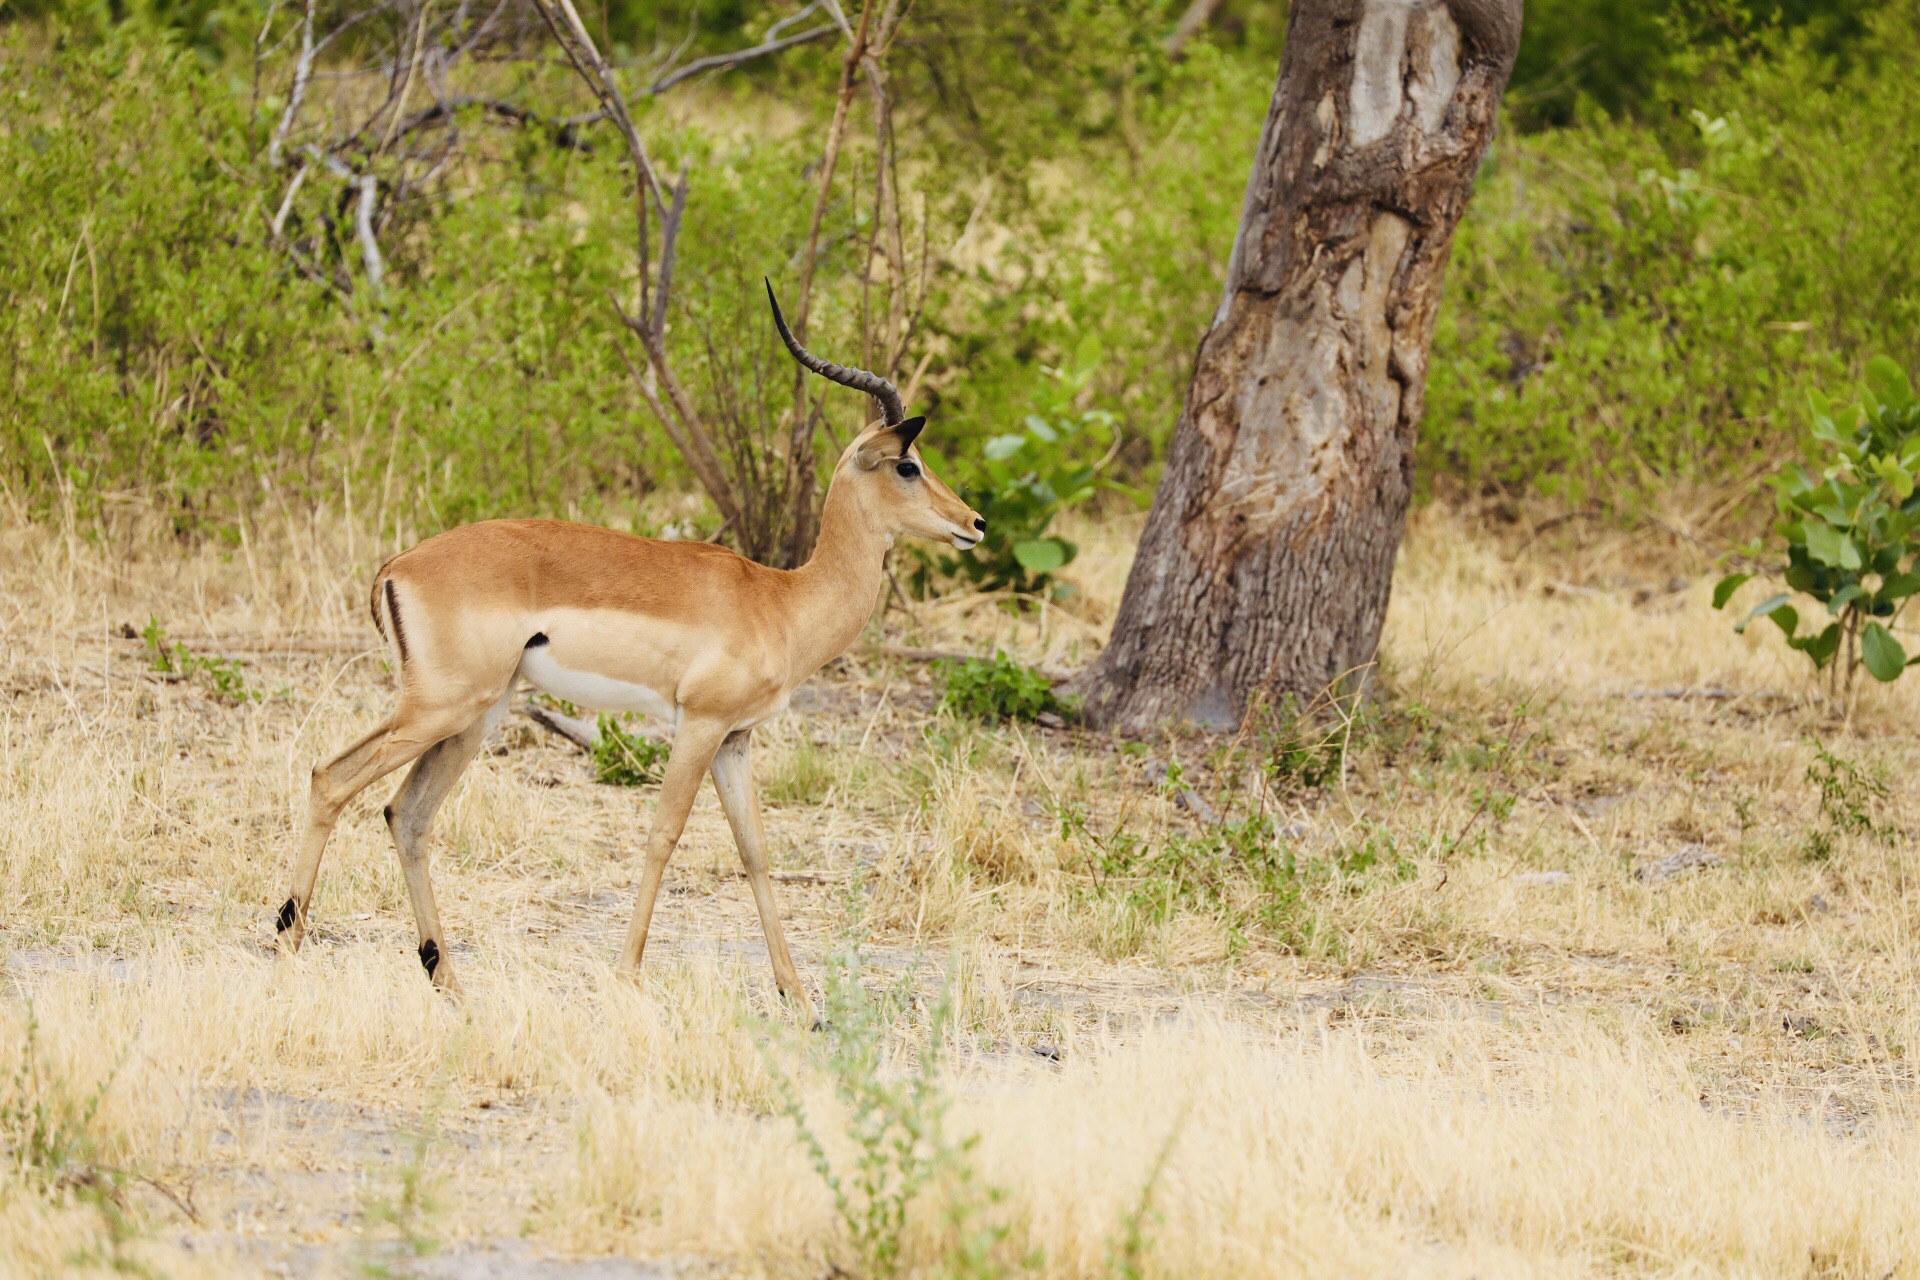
x: 363, y: 230
x: 724, y: 61
x: 302, y: 72
x: 669, y: 235
x: 799, y: 470
x: 286, y: 204
x: 1197, y: 16
x: 692, y: 443
x: 413, y: 70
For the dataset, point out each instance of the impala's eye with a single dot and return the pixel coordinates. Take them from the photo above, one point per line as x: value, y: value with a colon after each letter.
x: 907, y: 470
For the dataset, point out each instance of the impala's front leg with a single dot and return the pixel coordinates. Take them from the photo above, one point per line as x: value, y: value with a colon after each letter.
x: 693, y: 747
x: 733, y: 779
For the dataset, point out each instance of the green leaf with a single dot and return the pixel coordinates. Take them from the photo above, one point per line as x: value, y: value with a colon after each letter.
x: 1824, y: 542
x: 1899, y: 586
x: 1088, y: 353
x: 1821, y: 406
x: 1787, y: 618
x: 1882, y: 653
x: 1897, y: 477
x: 1043, y: 555
x: 1771, y: 605
x: 1889, y: 382
x: 1002, y: 447
x: 1845, y: 595
x: 1723, y: 590
x: 1822, y: 647
x: 1850, y: 557
x: 1042, y: 428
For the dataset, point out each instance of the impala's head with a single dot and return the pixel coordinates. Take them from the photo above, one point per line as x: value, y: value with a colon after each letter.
x: 897, y: 488
x: 889, y: 473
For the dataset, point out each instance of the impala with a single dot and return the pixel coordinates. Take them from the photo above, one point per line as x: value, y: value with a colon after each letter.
x: 687, y: 631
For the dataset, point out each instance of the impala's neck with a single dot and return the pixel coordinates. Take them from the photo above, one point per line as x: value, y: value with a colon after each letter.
x: 835, y: 591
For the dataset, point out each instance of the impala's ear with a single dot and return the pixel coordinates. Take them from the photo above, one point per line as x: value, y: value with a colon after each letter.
x: 891, y: 444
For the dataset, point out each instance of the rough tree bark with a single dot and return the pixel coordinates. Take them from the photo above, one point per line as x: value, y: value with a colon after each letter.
x: 1267, y: 558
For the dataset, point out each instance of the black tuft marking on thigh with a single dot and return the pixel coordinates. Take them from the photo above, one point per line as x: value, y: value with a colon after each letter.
x: 393, y: 615
x: 539, y: 638
x: 387, y: 813
x: 284, y: 921
x: 429, y: 956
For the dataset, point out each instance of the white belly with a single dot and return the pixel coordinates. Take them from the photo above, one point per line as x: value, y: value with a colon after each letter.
x: 592, y: 690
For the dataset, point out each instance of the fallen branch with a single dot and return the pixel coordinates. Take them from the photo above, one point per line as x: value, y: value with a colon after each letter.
x: 584, y: 734
x: 798, y: 877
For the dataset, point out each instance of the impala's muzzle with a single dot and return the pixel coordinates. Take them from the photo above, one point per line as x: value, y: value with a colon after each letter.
x: 968, y: 541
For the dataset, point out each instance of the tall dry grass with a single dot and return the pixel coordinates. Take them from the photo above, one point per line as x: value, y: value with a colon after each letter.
x: 1463, y: 1069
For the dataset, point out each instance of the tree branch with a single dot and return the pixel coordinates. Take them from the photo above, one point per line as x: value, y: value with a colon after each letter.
x: 726, y: 61
x: 302, y: 73
x: 799, y: 464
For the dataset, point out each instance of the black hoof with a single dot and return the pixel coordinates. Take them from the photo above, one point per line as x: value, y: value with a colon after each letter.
x: 284, y: 921
x: 429, y: 956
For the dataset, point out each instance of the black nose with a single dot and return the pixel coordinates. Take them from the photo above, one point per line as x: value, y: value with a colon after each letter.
x: 980, y: 524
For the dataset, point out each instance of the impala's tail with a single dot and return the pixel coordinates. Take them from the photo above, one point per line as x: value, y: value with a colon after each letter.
x: 384, y: 604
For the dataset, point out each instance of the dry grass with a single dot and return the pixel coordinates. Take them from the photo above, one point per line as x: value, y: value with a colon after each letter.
x: 1493, y: 1051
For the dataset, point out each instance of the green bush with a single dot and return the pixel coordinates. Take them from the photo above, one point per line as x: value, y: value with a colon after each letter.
x: 1628, y: 306
x: 1852, y: 532
x: 624, y: 759
x: 1022, y: 481
x: 995, y: 689
x: 1627, y: 302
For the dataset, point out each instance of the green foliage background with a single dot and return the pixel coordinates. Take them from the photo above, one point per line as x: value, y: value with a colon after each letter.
x: 1694, y: 214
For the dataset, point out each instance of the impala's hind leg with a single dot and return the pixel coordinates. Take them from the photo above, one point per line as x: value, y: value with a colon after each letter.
x: 733, y: 779
x: 404, y: 737
x: 693, y: 748
x: 410, y: 818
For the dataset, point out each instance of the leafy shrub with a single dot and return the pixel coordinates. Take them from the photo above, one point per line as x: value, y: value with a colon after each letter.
x: 1302, y: 750
x: 223, y: 676
x: 1023, y: 481
x: 1626, y: 305
x: 1852, y: 532
x: 1629, y: 304
x: 623, y: 759
x: 46, y: 1132
x: 1849, y: 795
x: 997, y: 688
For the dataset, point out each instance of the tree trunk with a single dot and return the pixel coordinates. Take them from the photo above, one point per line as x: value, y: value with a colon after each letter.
x: 1268, y: 556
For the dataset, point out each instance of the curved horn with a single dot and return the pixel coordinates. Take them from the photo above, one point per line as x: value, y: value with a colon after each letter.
x: 859, y: 379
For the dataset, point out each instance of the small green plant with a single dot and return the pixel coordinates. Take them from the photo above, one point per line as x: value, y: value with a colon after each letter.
x: 1303, y: 750
x: 997, y: 688
x: 47, y: 1132
x: 625, y: 759
x: 894, y: 1118
x: 222, y: 676
x: 47, y: 1137
x: 1850, y: 531
x: 803, y: 776
x: 1848, y: 796
x: 409, y: 1209
x: 1127, y: 1256
x: 1024, y: 480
